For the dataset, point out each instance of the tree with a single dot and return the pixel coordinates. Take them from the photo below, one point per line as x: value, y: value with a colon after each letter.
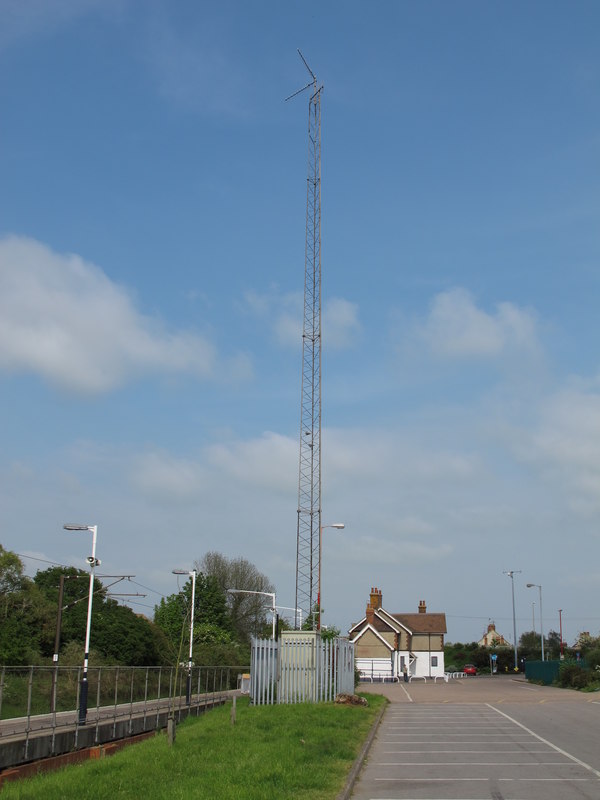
x: 25, y: 614
x: 530, y: 647
x: 74, y: 603
x: 247, y: 612
x: 11, y: 572
x: 117, y: 632
x: 552, y: 645
x: 213, y: 633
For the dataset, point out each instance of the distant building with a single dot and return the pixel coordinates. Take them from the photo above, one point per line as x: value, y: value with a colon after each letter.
x: 492, y: 638
x: 385, y: 643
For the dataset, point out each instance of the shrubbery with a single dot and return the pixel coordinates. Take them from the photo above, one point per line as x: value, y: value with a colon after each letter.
x: 573, y: 676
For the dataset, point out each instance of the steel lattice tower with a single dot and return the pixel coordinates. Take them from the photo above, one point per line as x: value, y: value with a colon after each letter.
x: 309, y: 473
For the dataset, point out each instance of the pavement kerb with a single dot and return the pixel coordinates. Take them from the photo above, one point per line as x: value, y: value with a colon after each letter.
x: 360, y: 760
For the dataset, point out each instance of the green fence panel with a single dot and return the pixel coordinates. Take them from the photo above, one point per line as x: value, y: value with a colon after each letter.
x: 545, y: 671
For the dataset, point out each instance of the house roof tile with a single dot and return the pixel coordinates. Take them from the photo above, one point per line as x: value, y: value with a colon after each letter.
x: 422, y: 623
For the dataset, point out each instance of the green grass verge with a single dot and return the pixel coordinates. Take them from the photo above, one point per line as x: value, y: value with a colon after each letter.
x: 271, y: 753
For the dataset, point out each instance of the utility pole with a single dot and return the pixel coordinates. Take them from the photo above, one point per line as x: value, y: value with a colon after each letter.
x: 511, y: 573
x: 562, y: 655
x: 308, y: 539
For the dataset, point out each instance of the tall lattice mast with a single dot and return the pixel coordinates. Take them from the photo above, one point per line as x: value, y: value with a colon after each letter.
x: 309, y: 474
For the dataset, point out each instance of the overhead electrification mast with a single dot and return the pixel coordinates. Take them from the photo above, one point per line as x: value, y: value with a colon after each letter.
x: 309, y: 474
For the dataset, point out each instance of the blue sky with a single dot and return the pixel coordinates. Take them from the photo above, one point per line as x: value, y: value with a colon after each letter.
x: 151, y: 273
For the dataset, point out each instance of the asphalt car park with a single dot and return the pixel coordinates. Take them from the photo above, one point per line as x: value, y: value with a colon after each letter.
x: 494, y: 737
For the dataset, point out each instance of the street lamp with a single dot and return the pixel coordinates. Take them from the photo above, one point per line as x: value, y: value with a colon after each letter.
x: 339, y: 526
x: 273, y: 609
x: 530, y: 586
x: 93, y: 562
x: 188, y: 686
x: 511, y: 573
x: 298, y: 611
x: 560, y: 628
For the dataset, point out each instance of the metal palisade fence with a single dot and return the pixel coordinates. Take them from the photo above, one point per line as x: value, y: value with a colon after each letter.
x: 38, y: 704
x: 299, y: 668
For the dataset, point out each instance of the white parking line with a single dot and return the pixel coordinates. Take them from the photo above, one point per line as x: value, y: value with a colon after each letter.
x: 474, y: 764
x: 545, y: 741
x: 480, y: 752
x: 410, y: 700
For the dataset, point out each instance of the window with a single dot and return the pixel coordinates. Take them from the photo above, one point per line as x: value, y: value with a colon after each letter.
x: 434, y: 661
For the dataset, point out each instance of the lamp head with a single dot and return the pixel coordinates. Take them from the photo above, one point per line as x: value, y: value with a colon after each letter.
x: 531, y: 585
x: 70, y: 526
x: 338, y: 525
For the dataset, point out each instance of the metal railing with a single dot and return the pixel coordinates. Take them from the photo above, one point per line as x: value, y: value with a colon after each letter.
x: 34, y: 699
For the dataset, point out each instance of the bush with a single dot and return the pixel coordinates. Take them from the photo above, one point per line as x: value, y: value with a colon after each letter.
x: 572, y: 675
x: 592, y: 658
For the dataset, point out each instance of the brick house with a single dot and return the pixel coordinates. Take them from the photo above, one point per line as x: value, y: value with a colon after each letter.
x: 384, y: 643
x: 492, y: 638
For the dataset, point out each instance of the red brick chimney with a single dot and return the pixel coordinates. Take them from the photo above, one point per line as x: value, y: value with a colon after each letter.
x: 370, y: 614
x: 422, y: 607
x: 376, y: 597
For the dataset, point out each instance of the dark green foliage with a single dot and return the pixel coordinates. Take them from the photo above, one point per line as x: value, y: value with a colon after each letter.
x: 25, y: 614
x: 592, y: 658
x: 29, y: 611
x: 29, y: 614
x: 574, y: 676
x: 75, y: 602
x: 247, y: 612
x: 215, y: 639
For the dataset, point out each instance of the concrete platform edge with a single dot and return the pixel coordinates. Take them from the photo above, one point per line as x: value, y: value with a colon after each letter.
x: 360, y: 760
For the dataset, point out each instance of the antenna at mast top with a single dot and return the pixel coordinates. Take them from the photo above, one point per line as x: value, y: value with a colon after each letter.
x: 312, y: 74
x: 308, y: 85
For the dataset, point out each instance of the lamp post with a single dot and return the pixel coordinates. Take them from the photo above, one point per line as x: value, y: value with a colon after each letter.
x: 560, y: 628
x: 93, y: 562
x: 298, y: 612
x: 511, y: 573
x: 273, y: 609
x: 188, y: 685
x: 339, y: 526
x: 530, y: 586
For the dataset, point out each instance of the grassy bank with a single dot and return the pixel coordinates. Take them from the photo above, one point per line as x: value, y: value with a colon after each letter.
x: 302, y: 751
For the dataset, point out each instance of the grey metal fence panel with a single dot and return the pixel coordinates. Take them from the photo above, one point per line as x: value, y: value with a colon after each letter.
x: 306, y: 669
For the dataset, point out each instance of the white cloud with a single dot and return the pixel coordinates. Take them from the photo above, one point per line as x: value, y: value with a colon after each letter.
x: 565, y: 445
x: 269, y: 461
x: 159, y: 473
x: 398, y: 552
x: 457, y: 328
x: 284, y: 313
x: 340, y: 323
x: 63, y: 319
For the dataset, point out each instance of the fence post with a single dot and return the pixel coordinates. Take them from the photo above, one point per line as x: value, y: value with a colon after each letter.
x: 98, y: 705
x: 2, y: 688
x: 116, y: 701
x: 156, y: 724
x: 28, y: 728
